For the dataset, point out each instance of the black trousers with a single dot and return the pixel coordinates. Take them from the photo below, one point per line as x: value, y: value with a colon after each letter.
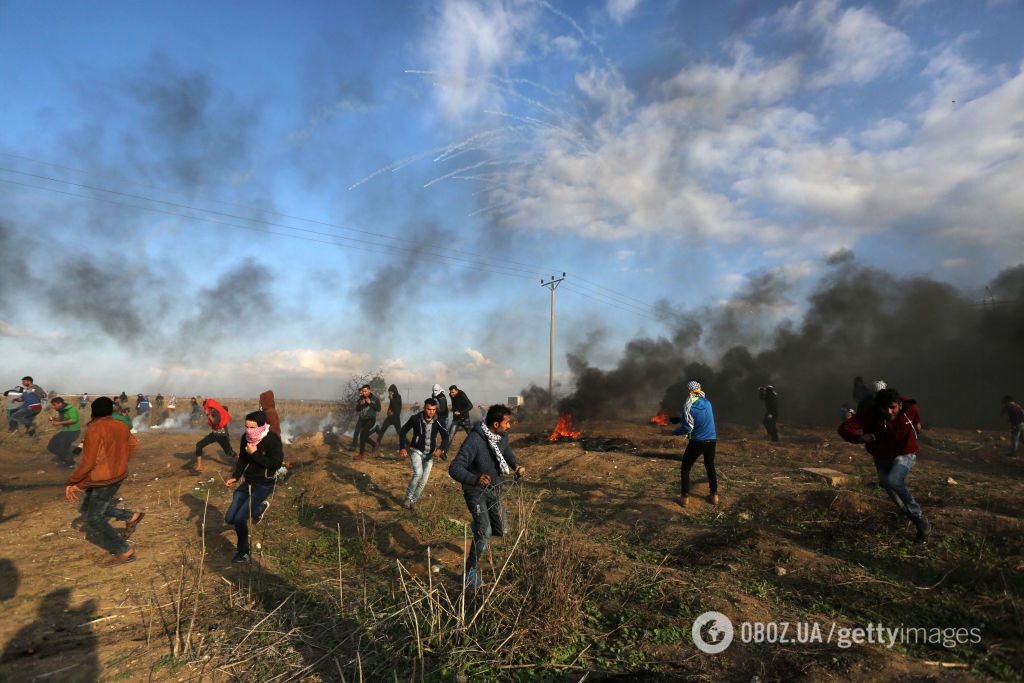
x: 223, y: 440
x: 771, y: 424
x: 361, y: 434
x: 392, y: 421
x: 694, y: 450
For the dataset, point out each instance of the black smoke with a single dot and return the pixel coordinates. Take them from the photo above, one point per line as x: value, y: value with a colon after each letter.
x: 953, y: 350
x: 413, y: 274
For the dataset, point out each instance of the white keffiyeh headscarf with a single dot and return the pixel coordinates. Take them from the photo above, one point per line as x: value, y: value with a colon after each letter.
x: 494, y: 440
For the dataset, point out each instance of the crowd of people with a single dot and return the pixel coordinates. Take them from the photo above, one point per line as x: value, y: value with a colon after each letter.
x: 886, y: 422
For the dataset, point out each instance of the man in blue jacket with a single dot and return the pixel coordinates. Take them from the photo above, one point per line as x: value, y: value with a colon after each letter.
x: 483, y: 460
x: 698, y: 423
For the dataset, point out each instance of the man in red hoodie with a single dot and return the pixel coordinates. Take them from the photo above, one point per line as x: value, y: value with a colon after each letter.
x: 889, y: 433
x: 218, y: 418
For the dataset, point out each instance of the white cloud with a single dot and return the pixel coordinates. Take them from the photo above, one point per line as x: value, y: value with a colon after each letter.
x: 479, y: 358
x: 856, y: 45
x: 567, y: 45
x: 472, y: 41
x: 9, y: 330
x: 310, y: 362
x: 884, y: 133
x: 619, y: 10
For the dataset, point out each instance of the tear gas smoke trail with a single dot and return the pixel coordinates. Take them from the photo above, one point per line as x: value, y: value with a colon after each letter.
x: 462, y: 170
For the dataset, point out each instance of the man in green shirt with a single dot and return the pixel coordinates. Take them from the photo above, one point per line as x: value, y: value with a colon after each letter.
x: 70, y: 429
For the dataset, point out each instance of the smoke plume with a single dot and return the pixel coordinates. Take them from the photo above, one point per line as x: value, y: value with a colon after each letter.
x: 953, y: 352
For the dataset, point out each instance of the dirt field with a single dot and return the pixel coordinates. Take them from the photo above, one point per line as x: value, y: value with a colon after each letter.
x: 602, y: 573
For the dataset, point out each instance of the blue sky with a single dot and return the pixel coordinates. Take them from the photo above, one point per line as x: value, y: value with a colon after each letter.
x: 217, y: 197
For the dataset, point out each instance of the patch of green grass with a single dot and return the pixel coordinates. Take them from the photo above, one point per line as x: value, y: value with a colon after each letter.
x: 168, y: 662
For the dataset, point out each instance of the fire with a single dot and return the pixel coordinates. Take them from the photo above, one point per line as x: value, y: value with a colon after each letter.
x: 661, y: 419
x: 564, y: 429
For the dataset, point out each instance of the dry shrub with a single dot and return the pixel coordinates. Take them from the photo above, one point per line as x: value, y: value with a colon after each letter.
x: 557, y: 578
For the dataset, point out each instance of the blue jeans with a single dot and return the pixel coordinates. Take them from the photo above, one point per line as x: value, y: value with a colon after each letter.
x: 23, y: 416
x: 421, y: 465
x: 61, y: 444
x: 489, y: 519
x: 246, y: 504
x: 892, y: 476
x: 97, y: 505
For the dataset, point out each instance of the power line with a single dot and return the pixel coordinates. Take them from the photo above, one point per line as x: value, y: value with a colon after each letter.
x: 596, y: 288
x: 613, y: 298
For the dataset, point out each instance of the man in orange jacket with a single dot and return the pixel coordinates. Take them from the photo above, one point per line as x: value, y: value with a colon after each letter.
x: 108, y: 446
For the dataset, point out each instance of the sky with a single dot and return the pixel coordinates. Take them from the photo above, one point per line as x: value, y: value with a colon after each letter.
x: 216, y: 198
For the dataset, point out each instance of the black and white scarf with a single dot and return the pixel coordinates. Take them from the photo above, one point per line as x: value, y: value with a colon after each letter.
x: 494, y: 441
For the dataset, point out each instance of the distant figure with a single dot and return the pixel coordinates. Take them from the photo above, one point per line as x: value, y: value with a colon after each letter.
x: 62, y: 442
x: 366, y: 409
x: 698, y: 423
x: 158, y: 402
x: 218, y: 418
x: 484, y: 460
x: 437, y: 393
x: 142, y: 405
x: 393, y: 417
x: 83, y: 401
x: 172, y: 403
x: 260, y: 456
x: 889, y: 435
x: 429, y: 441
x: 1015, y: 414
x: 196, y: 411
x: 108, y: 447
x: 770, y: 397
x: 269, y: 407
x: 462, y: 411
x: 123, y: 398
x: 860, y: 390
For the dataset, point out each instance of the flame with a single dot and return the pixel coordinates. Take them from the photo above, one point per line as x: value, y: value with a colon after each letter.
x: 564, y: 429
x: 661, y: 419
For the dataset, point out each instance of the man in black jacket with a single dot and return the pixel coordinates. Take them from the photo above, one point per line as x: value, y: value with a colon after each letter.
x: 367, y: 407
x: 392, y: 419
x: 462, y: 411
x: 770, y: 397
x: 483, y: 460
x: 429, y: 441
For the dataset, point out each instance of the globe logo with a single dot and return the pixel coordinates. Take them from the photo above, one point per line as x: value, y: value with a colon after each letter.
x: 712, y: 632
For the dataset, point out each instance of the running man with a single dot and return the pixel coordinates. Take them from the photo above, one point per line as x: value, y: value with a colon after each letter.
x: 429, y: 441
x: 62, y: 443
x: 218, y: 418
x: 484, y: 459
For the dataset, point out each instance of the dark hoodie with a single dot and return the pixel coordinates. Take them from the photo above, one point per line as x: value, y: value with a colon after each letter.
x: 268, y: 407
x: 475, y: 458
x: 260, y: 467
x: 462, y: 404
x: 395, y: 403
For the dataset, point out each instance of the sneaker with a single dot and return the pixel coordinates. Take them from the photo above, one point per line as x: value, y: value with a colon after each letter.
x: 713, y: 499
x: 473, y: 580
x: 240, y: 558
x: 408, y: 504
x: 684, y: 501
x: 923, y: 529
x: 359, y: 456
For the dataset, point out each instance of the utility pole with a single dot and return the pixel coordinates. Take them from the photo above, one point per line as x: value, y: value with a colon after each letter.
x: 552, y: 284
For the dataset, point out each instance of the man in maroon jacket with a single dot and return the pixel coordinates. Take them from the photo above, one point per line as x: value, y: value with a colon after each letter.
x: 889, y: 432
